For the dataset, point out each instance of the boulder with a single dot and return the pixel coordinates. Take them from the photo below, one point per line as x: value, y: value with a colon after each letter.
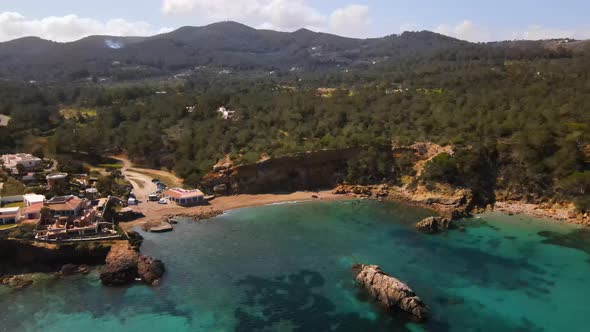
x: 150, y: 270
x: 71, y: 269
x: 389, y: 291
x: 433, y: 225
x: 16, y: 282
x: 120, y: 267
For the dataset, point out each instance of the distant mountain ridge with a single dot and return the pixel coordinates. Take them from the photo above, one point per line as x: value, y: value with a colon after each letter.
x: 228, y: 45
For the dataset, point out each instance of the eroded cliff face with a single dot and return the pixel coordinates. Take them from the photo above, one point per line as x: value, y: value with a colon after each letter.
x: 302, y: 171
x: 22, y: 256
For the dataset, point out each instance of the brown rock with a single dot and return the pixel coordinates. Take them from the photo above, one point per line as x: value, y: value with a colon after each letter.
x: 150, y: 270
x: 121, y: 266
x: 388, y: 290
x: 433, y: 225
x: 16, y: 282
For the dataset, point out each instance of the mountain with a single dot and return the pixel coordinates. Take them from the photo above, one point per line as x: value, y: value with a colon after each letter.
x: 227, y: 45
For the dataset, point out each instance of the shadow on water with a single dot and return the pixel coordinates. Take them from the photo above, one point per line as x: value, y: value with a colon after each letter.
x: 292, y: 303
x: 578, y: 239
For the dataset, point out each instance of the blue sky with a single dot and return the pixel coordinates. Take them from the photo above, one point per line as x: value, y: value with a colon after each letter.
x: 65, y: 20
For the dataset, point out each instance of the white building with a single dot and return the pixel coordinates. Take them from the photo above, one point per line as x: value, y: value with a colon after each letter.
x: 32, y: 199
x: 28, y: 161
x: 9, y: 215
x: 225, y: 113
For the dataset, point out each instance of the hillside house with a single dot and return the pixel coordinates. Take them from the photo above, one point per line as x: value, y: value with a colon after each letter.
x: 10, y: 215
x: 225, y: 113
x: 67, y: 206
x: 29, y: 162
x: 185, y: 197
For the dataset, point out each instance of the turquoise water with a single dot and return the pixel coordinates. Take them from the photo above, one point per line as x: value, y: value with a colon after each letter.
x: 287, y: 268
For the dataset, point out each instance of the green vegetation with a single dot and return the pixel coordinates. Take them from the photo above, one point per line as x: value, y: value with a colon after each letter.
x: 12, y: 187
x: 5, y: 227
x: 16, y: 204
x: 23, y: 231
x: 517, y: 115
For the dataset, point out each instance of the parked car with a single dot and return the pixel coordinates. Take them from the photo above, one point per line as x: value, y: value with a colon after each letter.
x: 163, y: 201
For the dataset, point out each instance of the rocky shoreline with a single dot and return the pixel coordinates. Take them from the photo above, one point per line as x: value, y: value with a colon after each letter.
x: 457, y: 203
x: 120, y: 260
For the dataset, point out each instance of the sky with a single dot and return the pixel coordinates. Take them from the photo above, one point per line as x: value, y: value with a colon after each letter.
x: 477, y: 21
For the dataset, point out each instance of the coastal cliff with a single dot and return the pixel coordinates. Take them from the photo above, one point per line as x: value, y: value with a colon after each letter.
x: 24, y: 256
x: 409, y: 181
x: 302, y: 171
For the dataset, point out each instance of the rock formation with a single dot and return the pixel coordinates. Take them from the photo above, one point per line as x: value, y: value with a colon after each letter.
x: 150, y: 270
x: 388, y: 290
x: 72, y: 269
x: 433, y: 225
x: 120, y: 267
x: 124, y: 265
x: 301, y: 171
x: 17, y: 282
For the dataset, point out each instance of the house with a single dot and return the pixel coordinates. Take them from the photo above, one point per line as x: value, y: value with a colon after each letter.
x: 225, y: 113
x: 10, y: 215
x: 33, y: 212
x: 32, y: 199
x: 185, y: 197
x: 4, y: 120
x: 67, y: 206
x: 28, y: 161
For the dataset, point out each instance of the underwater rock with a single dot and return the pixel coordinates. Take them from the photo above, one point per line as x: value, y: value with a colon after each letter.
x: 388, y: 290
x: 433, y: 225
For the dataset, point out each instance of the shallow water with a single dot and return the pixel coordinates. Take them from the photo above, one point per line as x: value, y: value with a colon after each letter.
x: 287, y: 268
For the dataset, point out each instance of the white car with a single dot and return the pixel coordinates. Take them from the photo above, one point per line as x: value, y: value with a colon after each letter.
x: 163, y: 201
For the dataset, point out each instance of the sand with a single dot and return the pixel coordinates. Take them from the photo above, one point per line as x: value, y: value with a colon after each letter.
x: 155, y: 212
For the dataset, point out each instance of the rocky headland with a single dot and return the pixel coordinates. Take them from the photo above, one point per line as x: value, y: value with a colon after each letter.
x: 124, y: 265
x: 389, y: 291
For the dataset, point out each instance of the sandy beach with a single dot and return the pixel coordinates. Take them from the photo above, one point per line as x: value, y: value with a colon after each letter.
x: 155, y: 212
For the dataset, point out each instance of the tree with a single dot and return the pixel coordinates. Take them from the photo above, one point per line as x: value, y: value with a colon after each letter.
x: 442, y: 168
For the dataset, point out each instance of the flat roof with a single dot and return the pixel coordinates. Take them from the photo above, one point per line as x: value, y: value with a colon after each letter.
x: 34, y: 198
x: 9, y: 210
x: 183, y: 193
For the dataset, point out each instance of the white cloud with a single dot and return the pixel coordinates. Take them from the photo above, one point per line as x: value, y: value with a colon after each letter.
x: 69, y: 27
x: 466, y: 30
x: 286, y: 15
x: 351, y: 21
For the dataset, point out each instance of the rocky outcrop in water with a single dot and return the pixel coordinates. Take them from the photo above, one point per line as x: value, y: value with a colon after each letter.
x: 124, y: 265
x: 150, y: 270
x: 120, y: 267
x: 72, y: 269
x: 433, y: 225
x: 17, y: 282
x: 388, y: 290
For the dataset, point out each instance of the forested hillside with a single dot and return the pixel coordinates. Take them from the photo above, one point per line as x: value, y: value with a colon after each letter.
x: 518, y: 113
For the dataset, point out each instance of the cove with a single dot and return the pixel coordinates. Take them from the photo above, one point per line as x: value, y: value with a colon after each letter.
x: 287, y: 268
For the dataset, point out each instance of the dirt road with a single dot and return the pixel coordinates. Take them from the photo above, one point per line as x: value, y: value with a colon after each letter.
x: 141, y: 178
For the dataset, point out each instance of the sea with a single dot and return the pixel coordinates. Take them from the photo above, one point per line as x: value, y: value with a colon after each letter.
x: 288, y: 268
